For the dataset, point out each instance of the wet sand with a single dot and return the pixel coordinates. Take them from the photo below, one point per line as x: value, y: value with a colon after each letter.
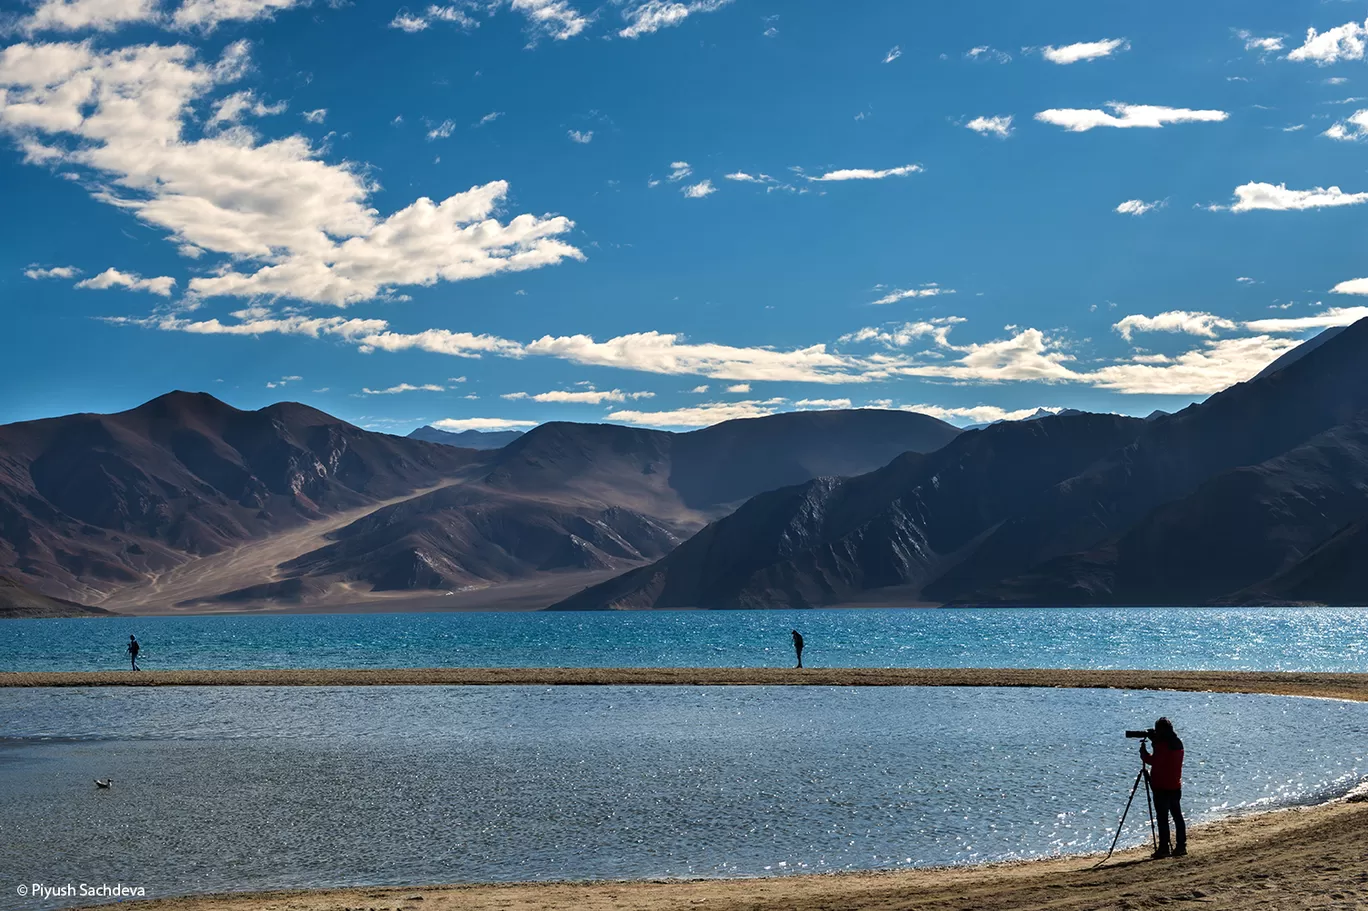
x: 1334, y: 686
x: 1292, y: 860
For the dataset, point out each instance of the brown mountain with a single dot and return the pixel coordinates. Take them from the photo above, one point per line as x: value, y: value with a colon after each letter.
x: 573, y: 498
x: 91, y: 502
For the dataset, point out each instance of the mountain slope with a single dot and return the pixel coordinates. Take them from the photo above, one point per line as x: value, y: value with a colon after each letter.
x: 1244, y: 425
x: 17, y: 601
x: 830, y: 540
x: 1335, y: 573
x: 92, y: 502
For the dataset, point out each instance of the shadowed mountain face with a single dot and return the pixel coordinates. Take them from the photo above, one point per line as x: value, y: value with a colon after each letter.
x: 1188, y: 508
x: 466, y: 439
x: 91, y: 502
x: 129, y: 507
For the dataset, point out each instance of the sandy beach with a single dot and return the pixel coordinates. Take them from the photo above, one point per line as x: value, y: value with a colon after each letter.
x: 1310, y: 858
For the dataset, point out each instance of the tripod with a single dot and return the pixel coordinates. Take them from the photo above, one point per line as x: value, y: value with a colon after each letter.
x: 1142, y: 775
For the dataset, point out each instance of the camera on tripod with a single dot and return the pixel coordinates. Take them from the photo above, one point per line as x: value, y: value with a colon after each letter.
x: 1141, y: 735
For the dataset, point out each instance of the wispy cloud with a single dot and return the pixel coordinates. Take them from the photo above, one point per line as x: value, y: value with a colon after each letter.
x: 583, y: 138
x: 1203, y: 324
x: 989, y: 54
x: 868, y: 174
x: 317, y: 115
x: 38, y: 272
x: 1278, y: 198
x: 456, y: 425
x: 699, y: 190
x: 703, y: 415
x: 581, y: 397
x: 898, y: 294
x: 893, y: 54
x: 404, y: 387
x: 1000, y: 126
x: 1262, y: 45
x: 1351, y: 129
x: 1084, y: 50
x: 654, y: 15
x: 113, y: 278
x: 1139, y: 206
x: 1079, y: 120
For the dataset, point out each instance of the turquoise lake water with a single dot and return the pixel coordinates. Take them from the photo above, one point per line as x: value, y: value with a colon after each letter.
x: 1310, y: 639
x: 240, y: 788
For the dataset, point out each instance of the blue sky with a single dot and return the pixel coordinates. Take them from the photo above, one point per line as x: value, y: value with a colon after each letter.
x: 492, y: 214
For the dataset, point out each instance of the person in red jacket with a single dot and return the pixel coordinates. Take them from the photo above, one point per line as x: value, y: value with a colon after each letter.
x: 1166, y: 780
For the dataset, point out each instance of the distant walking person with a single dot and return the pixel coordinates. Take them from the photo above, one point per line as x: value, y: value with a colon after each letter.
x: 133, y: 649
x: 1166, y: 780
x: 798, y: 646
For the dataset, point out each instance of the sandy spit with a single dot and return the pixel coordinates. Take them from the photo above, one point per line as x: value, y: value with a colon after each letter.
x: 1337, y: 686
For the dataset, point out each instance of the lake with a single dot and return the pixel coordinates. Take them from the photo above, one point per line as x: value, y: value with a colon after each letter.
x: 1303, y: 639
x: 254, y: 788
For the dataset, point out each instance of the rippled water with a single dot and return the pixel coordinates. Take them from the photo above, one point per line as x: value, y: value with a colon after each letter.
x: 1312, y: 639
x: 250, y: 788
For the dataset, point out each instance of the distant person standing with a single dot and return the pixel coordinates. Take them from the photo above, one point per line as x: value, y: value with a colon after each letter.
x: 798, y: 646
x: 133, y: 649
x: 1166, y: 780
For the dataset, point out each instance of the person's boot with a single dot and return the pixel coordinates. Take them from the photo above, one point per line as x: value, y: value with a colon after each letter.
x: 1162, y: 852
x: 1180, y: 851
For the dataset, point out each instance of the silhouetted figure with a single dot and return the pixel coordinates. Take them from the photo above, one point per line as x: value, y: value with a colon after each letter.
x: 133, y: 649
x: 1166, y: 780
x: 798, y: 646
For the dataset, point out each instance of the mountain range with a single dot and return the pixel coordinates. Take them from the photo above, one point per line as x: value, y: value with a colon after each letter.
x: 186, y: 503
x: 1257, y: 495
x: 466, y: 439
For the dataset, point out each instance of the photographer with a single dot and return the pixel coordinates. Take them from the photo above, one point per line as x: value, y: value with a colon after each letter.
x: 1166, y: 780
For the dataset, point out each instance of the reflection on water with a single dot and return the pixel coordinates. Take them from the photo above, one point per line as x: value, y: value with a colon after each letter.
x: 250, y: 788
x: 1310, y: 639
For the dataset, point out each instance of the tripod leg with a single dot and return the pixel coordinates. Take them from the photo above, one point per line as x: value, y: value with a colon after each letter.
x: 1149, y: 801
x: 1122, y: 823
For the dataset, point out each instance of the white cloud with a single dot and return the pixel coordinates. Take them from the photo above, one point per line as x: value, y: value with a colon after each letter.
x: 304, y: 228
x: 1278, y: 198
x: 897, y: 294
x: 1262, y: 45
x: 1323, y: 48
x: 583, y: 397
x: 1335, y: 316
x: 900, y: 336
x: 699, y: 390
x: 1202, y: 371
x: 1294, y: 128
x: 583, y: 138
x: 234, y: 107
x: 984, y: 52
x: 1204, y: 324
x: 1000, y: 126
x: 822, y: 403
x: 78, y: 15
x: 489, y: 118
x: 53, y: 272
x: 555, y: 19
x: 653, y: 15
x: 1352, y: 128
x: 976, y: 414
x: 867, y: 174
x: 699, y: 190
x: 703, y: 415
x: 679, y: 170
x: 1029, y: 356
x: 207, y: 14
x: 893, y: 54
x: 457, y: 425
x: 739, y: 387
x: 317, y: 115
x: 283, y: 381
x: 416, y: 22
x: 743, y: 177
x: 1245, y: 280
x: 113, y: 278
x: 1084, y: 50
x: 1139, y: 206
x: 404, y: 387
x: 441, y: 130
x: 1077, y: 120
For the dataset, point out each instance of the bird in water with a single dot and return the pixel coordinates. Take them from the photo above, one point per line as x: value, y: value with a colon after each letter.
x: 104, y: 782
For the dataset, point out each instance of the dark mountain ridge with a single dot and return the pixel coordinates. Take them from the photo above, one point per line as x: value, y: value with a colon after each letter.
x: 1193, y: 507
x: 466, y: 439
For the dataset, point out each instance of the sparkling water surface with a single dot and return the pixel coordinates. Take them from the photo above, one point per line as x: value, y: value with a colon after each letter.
x: 1305, y: 639
x: 253, y: 788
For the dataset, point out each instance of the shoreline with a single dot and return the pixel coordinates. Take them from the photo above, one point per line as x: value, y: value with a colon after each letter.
x: 1280, y: 683
x: 1289, y: 859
